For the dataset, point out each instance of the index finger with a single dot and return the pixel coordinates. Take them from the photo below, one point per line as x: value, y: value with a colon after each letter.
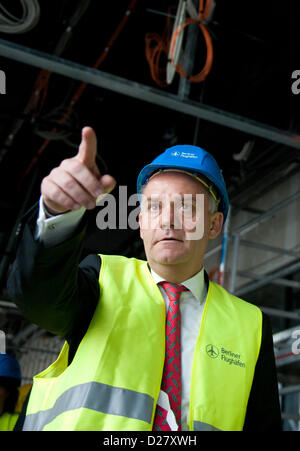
x: 87, y: 151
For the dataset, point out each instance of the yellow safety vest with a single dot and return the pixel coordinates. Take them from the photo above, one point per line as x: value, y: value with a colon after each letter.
x: 114, y: 379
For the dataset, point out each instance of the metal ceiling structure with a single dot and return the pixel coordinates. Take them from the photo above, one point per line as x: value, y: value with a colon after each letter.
x: 145, y: 93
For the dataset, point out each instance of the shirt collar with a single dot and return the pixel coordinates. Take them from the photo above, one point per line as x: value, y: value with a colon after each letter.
x: 195, y: 284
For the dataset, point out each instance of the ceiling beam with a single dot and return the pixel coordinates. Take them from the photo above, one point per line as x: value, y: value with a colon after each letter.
x: 139, y: 91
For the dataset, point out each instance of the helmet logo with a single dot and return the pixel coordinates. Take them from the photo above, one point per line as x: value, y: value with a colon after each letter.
x: 184, y: 154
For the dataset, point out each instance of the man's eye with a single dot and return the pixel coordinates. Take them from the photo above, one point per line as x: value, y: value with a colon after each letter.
x: 154, y: 207
x: 186, y: 207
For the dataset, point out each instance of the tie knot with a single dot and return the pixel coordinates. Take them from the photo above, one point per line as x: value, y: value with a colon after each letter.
x: 173, y: 290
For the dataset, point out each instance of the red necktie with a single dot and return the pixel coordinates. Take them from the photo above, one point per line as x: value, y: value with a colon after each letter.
x: 171, y: 381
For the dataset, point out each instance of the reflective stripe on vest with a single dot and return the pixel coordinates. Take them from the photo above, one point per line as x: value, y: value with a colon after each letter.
x: 95, y: 396
x: 200, y: 426
x: 123, y: 351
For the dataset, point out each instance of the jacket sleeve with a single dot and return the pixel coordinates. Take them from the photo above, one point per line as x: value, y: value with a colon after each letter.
x: 52, y: 288
x: 263, y: 410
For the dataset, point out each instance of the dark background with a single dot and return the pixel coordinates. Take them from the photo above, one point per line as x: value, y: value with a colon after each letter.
x: 256, y: 49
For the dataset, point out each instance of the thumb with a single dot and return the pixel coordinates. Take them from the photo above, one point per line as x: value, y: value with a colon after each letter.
x: 88, y: 148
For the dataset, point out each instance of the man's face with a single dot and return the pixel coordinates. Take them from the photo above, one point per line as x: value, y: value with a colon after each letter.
x: 175, y: 223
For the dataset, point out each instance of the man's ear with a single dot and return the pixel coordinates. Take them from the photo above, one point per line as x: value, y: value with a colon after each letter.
x: 216, y: 223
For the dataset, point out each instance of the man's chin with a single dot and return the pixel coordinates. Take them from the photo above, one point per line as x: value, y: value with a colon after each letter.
x: 169, y: 258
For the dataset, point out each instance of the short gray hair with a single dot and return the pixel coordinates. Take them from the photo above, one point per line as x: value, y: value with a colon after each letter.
x: 212, y: 204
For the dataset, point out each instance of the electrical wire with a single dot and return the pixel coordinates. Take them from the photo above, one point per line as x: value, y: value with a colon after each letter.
x: 39, y: 91
x: 14, y: 25
x: 53, y: 117
x: 157, y: 49
x: 40, y: 88
x: 203, y: 12
x: 79, y: 92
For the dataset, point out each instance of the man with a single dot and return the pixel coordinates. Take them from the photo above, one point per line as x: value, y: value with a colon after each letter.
x: 149, y: 345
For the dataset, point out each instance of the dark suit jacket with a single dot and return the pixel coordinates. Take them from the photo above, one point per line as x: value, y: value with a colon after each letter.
x: 59, y: 293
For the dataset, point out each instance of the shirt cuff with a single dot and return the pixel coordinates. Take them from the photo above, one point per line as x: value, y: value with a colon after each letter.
x: 55, y: 229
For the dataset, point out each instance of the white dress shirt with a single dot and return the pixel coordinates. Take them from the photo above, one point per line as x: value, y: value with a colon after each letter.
x: 55, y: 229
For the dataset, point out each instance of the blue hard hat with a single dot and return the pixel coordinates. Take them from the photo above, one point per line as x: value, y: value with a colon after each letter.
x: 9, y: 367
x: 197, y: 162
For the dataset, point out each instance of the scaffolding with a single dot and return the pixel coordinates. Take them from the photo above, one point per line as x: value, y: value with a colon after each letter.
x: 277, y: 277
x: 286, y: 341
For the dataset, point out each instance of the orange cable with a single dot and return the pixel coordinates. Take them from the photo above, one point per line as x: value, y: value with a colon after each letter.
x: 203, y: 12
x: 157, y: 47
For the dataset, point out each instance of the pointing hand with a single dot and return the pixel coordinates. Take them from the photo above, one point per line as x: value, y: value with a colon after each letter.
x: 76, y: 182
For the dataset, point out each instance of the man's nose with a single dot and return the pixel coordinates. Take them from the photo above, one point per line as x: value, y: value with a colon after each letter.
x: 170, y: 218
x: 167, y: 216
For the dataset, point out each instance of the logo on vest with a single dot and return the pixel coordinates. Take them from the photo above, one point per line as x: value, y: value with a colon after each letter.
x: 228, y: 357
x: 212, y: 351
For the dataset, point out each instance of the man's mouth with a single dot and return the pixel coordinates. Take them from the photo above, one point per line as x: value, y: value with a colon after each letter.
x: 165, y: 239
